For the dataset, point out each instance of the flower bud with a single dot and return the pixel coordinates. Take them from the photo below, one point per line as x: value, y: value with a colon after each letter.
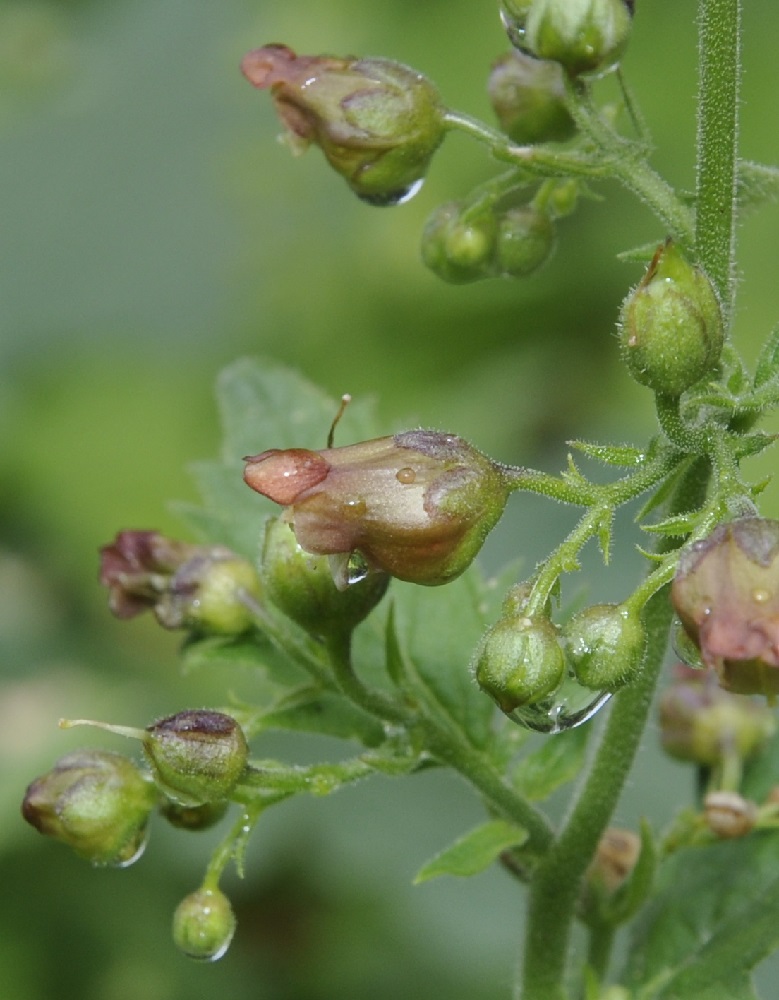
x: 700, y: 722
x: 615, y: 858
x: 201, y: 817
x: 96, y: 802
x: 459, y: 248
x: 586, y: 36
x: 726, y: 592
x: 528, y: 97
x: 377, y: 122
x: 513, y: 14
x: 671, y: 325
x: 204, y: 924
x: 417, y: 506
x: 605, y: 645
x: 526, y: 239
x: 205, y: 588
x: 519, y: 661
x: 301, y: 585
x: 196, y: 756
x: 729, y: 815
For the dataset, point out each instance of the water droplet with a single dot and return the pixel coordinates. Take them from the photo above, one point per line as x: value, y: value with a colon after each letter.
x: 391, y: 198
x: 571, y: 706
x: 356, y: 568
x: 405, y: 475
x: 515, y: 32
x: 131, y: 853
x: 760, y: 596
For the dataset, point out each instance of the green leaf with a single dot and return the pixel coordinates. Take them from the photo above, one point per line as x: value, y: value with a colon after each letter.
x: 714, y: 916
x: 621, y: 455
x: 397, y: 668
x: 473, y: 852
x: 665, y: 490
x: 437, y: 633
x: 323, y: 712
x: 676, y: 526
x: 767, y: 367
x: 633, y: 893
x: 756, y: 183
x: 557, y: 761
x: 642, y: 254
x: 748, y: 445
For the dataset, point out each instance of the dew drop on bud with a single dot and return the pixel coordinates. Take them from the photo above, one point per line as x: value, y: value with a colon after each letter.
x: 132, y: 852
x: 392, y: 198
x: 570, y: 707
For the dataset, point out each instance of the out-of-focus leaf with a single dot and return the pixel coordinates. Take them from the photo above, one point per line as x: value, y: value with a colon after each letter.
x: 768, y: 362
x: 632, y: 894
x: 473, y: 852
x: 711, y: 920
x: 756, y: 183
x: 642, y: 254
x: 325, y: 713
x: 556, y: 762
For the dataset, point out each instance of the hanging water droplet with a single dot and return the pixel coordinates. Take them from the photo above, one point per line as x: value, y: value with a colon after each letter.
x: 513, y: 29
x: 391, y: 198
x: 570, y: 706
x: 357, y: 568
x: 131, y: 852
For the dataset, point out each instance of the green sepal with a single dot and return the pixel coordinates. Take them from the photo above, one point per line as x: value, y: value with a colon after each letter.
x: 756, y: 184
x: 676, y: 526
x: 767, y: 368
x: 753, y: 443
x: 624, y: 456
x: 634, y: 892
x: 700, y: 933
x: 473, y: 852
x: 664, y: 491
x: 642, y: 254
x: 557, y: 761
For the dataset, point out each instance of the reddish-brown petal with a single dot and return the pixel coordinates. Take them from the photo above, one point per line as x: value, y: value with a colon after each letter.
x: 283, y: 476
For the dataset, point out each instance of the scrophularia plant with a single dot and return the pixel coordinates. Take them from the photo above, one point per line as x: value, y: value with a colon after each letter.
x: 417, y: 506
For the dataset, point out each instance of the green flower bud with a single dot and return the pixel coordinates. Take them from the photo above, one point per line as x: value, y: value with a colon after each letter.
x: 528, y: 97
x: 377, y: 122
x: 201, y: 817
x: 513, y: 14
x: 519, y: 661
x: 96, y: 802
x: 605, y: 646
x: 196, y: 756
x: 671, y: 325
x: 204, y: 924
x: 526, y: 239
x: 301, y: 585
x: 701, y: 723
x: 417, y: 506
x: 459, y: 249
x: 204, y: 588
x: 586, y: 36
x: 726, y: 593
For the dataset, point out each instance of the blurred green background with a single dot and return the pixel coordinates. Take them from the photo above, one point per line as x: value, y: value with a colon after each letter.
x: 151, y: 230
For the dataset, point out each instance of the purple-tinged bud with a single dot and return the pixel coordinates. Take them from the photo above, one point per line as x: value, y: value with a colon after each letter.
x: 301, y: 585
x: 729, y: 815
x: 585, y: 36
x: 605, y: 646
x: 519, y: 661
x: 528, y: 97
x: 417, y: 506
x: 700, y: 722
x: 194, y: 818
x: 377, y: 122
x: 196, y: 756
x: 204, y: 588
x: 526, y: 239
x: 671, y: 326
x: 204, y: 924
x: 459, y: 246
x: 96, y: 802
x: 726, y: 592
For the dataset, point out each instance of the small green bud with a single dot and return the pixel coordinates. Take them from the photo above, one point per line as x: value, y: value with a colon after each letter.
x: 206, y: 588
x: 377, y: 122
x: 671, y: 326
x: 301, y: 585
x: 585, y: 36
x: 702, y: 723
x: 201, y: 817
x: 528, y: 97
x: 457, y: 249
x: 204, y: 924
x: 519, y: 661
x: 96, y: 802
x: 726, y: 593
x: 196, y: 756
x: 526, y: 239
x: 605, y: 646
x: 417, y: 506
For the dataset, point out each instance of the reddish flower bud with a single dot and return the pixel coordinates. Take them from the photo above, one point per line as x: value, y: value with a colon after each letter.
x: 377, y: 122
x: 417, y: 505
x: 726, y: 592
x: 186, y: 586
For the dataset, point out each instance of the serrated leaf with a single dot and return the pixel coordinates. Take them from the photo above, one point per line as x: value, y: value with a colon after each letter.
x: 756, y: 183
x: 438, y: 632
x: 327, y: 714
x: 624, y: 456
x: 642, y: 254
x: 714, y: 916
x: 675, y: 527
x: 768, y: 361
x: 557, y: 761
x: 473, y: 852
x: 752, y: 444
